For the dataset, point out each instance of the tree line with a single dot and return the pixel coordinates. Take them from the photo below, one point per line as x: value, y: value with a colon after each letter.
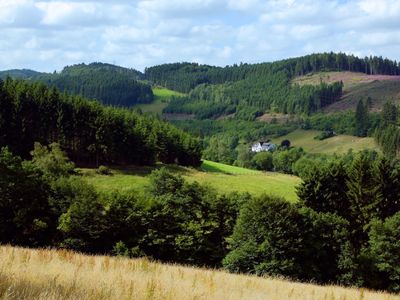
x: 90, y: 133
x: 343, y: 229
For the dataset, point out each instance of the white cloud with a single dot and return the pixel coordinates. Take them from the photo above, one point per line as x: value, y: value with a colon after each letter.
x: 19, y: 13
x: 74, y: 14
x: 47, y: 35
x: 182, y: 8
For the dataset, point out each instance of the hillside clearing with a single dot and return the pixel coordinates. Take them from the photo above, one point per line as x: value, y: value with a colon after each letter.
x: 380, y: 88
x: 274, y: 117
x: 350, y: 79
x: 161, y: 99
x: 223, y: 178
x: 379, y: 91
x: 61, y: 274
x: 338, y: 144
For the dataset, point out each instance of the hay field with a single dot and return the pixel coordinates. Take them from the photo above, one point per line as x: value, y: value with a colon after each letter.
x: 60, y: 274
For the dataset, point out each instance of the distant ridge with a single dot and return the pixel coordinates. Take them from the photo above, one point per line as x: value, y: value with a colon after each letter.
x: 109, y: 84
x: 244, y: 91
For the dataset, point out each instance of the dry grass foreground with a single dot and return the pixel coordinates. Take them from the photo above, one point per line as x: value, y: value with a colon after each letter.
x: 61, y: 274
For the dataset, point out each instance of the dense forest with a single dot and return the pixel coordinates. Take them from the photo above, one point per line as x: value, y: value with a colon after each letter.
x: 89, y: 132
x: 250, y: 90
x: 250, y: 98
x: 109, y: 84
x: 184, y: 77
x: 247, y: 90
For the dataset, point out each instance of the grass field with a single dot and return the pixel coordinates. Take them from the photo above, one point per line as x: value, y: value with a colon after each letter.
x: 161, y: 98
x: 223, y: 178
x: 380, y: 88
x: 60, y: 274
x: 339, y: 144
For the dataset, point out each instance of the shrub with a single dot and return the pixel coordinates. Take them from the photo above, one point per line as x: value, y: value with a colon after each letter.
x: 84, y: 223
x: 190, y: 226
x: 285, y: 144
x: 263, y: 161
x: 325, y: 135
x: 120, y: 249
x: 265, y: 238
x: 384, y: 241
x: 284, y: 160
x: 104, y: 170
x: 305, y: 166
x: 25, y: 216
x: 163, y: 182
x: 274, y: 237
x: 51, y: 160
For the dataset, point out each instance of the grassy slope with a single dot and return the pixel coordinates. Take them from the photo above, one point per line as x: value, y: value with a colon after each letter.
x: 51, y: 274
x: 161, y: 98
x: 379, y: 91
x: 338, y: 144
x: 222, y: 177
x: 380, y: 88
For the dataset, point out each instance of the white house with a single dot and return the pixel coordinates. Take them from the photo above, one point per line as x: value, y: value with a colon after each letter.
x: 263, y: 146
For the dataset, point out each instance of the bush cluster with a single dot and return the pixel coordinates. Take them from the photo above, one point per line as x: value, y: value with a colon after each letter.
x: 44, y: 203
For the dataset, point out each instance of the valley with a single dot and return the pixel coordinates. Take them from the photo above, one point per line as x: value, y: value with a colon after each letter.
x: 195, y: 150
x: 146, y: 172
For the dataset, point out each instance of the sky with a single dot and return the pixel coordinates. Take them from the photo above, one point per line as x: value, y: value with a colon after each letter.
x: 48, y: 35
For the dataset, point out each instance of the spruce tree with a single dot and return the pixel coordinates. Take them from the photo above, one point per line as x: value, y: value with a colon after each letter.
x: 363, y: 195
x: 361, y: 119
x: 389, y: 114
x: 388, y: 179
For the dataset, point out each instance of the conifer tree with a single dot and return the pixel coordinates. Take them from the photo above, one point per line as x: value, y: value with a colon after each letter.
x: 361, y: 119
x: 363, y: 195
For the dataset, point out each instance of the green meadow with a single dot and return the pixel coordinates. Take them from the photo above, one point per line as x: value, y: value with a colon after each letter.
x: 223, y: 178
x: 339, y: 144
x: 161, y: 99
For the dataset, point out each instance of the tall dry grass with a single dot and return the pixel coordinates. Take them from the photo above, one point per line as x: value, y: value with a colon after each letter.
x: 60, y: 274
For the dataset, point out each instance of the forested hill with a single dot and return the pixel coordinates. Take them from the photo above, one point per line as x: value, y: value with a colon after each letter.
x: 89, y: 132
x: 247, y: 90
x: 183, y: 77
x: 20, y: 73
x: 109, y: 84
x: 251, y: 89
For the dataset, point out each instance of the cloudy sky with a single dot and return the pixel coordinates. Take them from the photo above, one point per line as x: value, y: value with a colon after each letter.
x: 47, y: 35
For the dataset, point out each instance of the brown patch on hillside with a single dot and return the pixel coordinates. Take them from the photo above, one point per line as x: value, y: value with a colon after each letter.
x: 274, y: 117
x: 380, y: 91
x: 350, y: 79
x: 380, y: 88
